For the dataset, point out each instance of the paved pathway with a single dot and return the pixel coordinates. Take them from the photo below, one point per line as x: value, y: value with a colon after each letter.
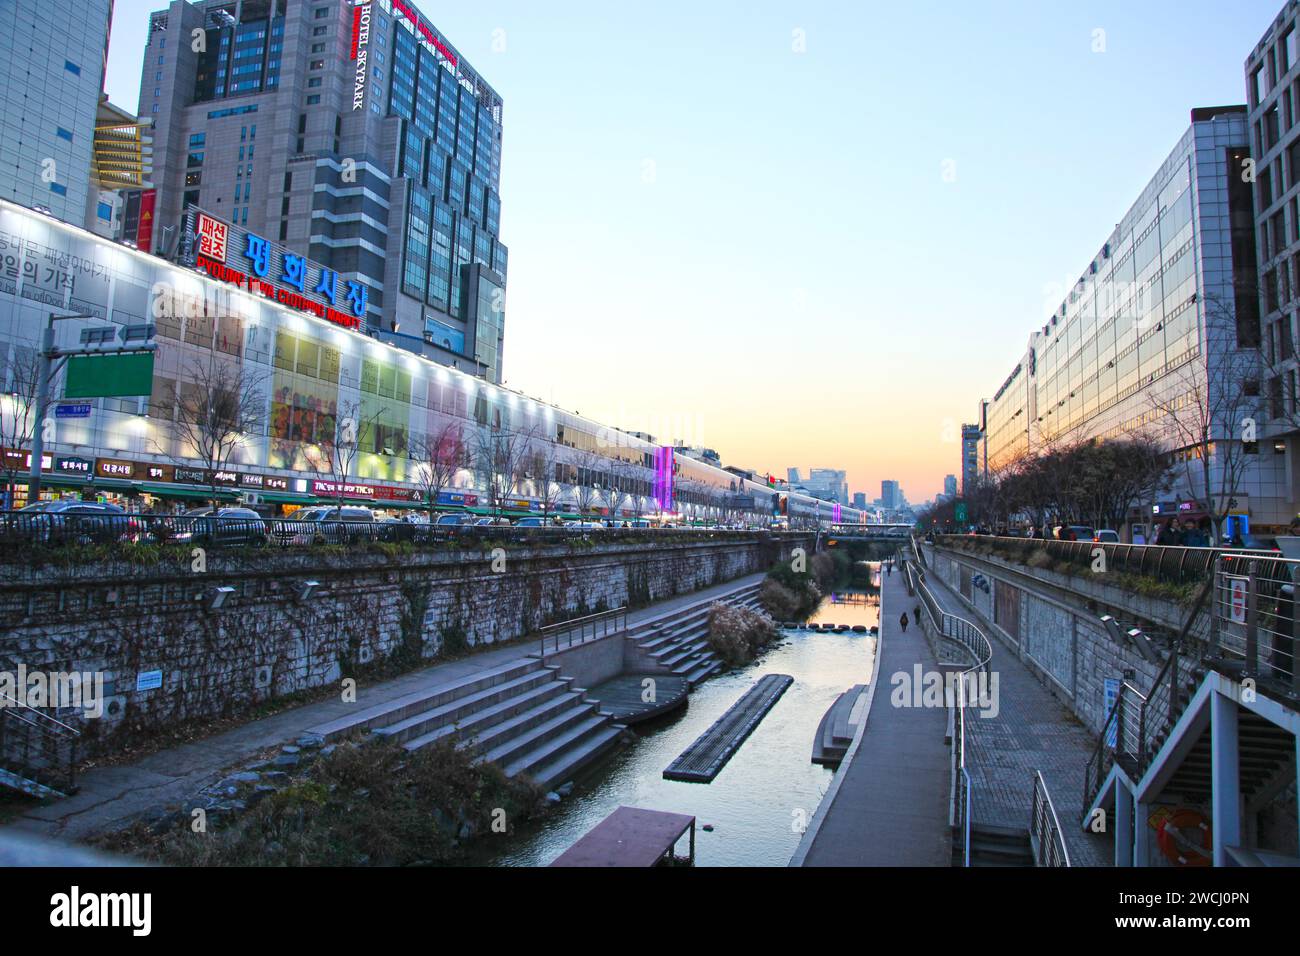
x: 889, y: 803
x: 111, y: 796
x: 1032, y: 731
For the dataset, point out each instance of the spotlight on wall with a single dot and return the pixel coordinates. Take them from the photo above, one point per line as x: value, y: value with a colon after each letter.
x: 217, y: 597
x: 306, y: 589
x: 1143, y: 644
x: 1112, y: 629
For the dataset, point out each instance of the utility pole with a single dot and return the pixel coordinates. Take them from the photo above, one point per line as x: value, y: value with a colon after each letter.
x: 46, y: 368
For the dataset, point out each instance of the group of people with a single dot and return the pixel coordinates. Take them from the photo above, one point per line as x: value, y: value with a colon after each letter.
x: 1188, y: 535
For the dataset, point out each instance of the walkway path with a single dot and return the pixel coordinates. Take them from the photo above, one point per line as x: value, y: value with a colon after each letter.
x: 111, y: 796
x: 888, y: 805
x: 1032, y: 731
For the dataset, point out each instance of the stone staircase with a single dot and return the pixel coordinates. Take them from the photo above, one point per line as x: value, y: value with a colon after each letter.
x: 676, y: 642
x: 993, y: 846
x: 523, y: 716
x: 837, y: 727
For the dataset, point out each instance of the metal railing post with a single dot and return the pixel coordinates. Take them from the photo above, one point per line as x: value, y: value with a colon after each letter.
x: 1252, y: 624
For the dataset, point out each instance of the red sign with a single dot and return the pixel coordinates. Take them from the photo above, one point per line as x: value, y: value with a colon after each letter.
x: 426, y: 31
x: 294, y: 300
x: 144, y: 235
x: 212, y: 237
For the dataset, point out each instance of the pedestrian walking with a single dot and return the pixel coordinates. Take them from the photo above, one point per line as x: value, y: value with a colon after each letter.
x: 903, y: 622
x: 916, y: 615
x: 889, y: 569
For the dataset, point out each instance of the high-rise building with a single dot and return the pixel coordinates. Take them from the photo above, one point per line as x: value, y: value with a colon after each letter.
x: 52, y: 58
x: 1164, y: 318
x: 830, y: 484
x: 950, y: 486
x: 352, y: 135
x: 860, y: 500
x: 792, y: 476
x: 970, y: 456
x: 890, y: 495
x: 1273, y: 95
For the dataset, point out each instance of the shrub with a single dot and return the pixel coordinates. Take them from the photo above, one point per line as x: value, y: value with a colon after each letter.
x: 737, y: 634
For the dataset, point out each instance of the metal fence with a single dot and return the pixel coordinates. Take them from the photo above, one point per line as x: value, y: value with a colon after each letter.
x: 1255, y: 622
x: 1174, y: 564
x: 1046, y: 838
x: 581, y: 629
x: 21, y: 530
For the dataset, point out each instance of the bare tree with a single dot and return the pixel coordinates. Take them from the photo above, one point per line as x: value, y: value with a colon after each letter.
x: 499, y: 457
x: 437, y: 457
x: 546, y: 465
x: 1209, y: 411
x: 590, y: 473
x: 20, y: 378
x: 219, y: 405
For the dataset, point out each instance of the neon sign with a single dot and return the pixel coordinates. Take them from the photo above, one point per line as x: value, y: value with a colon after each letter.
x: 426, y: 31
x: 360, y: 53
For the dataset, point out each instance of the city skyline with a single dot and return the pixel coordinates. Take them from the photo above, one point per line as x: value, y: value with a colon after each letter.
x: 658, y: 165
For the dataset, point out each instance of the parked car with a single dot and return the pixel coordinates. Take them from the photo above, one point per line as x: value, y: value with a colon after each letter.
x: 1106, y: 536
x: 1074, y: 532
x: 221, y: 526
x: 452, y: 520
x: 585, y: 525
x: 489, y: 522
x: 328, y: 525
x: 86, y: 521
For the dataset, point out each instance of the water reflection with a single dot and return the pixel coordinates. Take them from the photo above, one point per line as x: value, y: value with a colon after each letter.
x: 758, y: 800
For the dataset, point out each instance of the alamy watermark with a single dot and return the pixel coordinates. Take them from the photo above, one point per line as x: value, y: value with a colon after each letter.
x: 53, y: 690
x: 922, y: 688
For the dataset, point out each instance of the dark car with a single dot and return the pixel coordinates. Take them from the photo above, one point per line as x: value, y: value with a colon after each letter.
x: 328, y: 526
x: 76, y: 520
x: 221, y: 526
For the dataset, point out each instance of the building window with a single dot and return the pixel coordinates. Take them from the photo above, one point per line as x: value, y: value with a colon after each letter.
x: 322, y: 13
x: 318, y: 48
x: 65, y: 134
x: 314, y: 82
x: 316, y: 65
x: 59, y: 188
x: 313, y: 100
x: 320, y: 31
x: 72, y: 68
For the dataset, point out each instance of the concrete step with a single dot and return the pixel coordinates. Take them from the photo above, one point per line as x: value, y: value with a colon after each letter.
x: 496, y: 734
x: 683, y: 652
x: 541, y: 735
x: 462, y: 709
x: 704, y: 671
x: 482, y: 721
x: 579, y: 754
x: 428, y: 698
x: 559, y: 748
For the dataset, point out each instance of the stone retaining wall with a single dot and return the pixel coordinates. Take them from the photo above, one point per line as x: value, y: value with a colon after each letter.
x: 136, y: 626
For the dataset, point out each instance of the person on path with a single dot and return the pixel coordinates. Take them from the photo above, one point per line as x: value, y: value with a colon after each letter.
x: 916, y: 615
x: 903, y: 621
x: 889, y: 570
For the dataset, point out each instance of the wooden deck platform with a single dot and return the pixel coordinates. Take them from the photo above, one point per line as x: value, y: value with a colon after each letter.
x: 624, y: 696
x: 630, y: 836
x: 705, y: 758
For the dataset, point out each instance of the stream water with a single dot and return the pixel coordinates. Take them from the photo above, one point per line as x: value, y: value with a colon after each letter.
x: 759, y: 801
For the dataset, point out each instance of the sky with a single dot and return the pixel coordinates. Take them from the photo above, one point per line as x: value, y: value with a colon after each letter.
x: 812, y: 234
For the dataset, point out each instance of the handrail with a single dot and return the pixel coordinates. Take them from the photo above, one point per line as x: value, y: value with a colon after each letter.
x: 38, y: 746
x: 1045, y: 834
x: 602, y: 624
x: 963, y: 632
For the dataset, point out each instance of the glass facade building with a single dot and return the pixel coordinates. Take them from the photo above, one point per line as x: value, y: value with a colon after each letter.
x: 52, y: 58
x: 379, y: 155
x: 1166, y: 311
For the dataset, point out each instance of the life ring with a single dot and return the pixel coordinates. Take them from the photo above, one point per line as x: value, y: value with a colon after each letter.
x: 1184, y: 836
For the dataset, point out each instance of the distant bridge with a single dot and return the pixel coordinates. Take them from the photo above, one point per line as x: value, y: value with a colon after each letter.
x: 869, y: 532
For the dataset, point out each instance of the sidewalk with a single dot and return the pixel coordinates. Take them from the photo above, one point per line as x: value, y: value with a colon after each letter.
x: 889, y: 803
x: 1032, y: 731
x: 110, y: 796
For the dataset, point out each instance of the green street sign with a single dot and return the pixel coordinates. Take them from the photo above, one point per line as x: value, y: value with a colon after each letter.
x: 109, y: 376
x: 961, y: 511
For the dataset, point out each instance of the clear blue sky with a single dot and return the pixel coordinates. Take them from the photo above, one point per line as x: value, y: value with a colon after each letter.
x: 715, y: 237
